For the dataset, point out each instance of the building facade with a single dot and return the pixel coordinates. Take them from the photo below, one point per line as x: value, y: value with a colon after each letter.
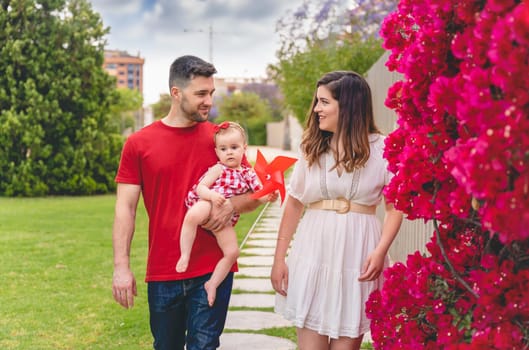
x: 127, y: 69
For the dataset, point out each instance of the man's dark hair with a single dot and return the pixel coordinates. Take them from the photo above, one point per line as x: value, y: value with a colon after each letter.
x: 188, y: 67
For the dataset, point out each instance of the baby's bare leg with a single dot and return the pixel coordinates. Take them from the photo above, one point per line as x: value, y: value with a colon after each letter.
x: 227, y: 241
x: 195, y: 216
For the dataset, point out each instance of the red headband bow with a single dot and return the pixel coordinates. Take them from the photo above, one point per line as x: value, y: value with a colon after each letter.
x: 223, y: 125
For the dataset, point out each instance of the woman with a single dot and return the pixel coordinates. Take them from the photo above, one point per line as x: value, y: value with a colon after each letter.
x: 340, y: 248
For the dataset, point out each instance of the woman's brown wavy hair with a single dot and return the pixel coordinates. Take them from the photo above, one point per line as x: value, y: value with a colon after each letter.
x: 355, y: 121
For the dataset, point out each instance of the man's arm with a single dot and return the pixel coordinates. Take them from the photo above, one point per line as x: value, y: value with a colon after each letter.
x: 244, y: 203
x: 123, y: 281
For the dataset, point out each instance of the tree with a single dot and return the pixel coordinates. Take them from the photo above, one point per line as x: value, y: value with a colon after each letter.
x: 55, y: 133
x: 321, y: 36
x: 297, y: 75
x: 162, y: 107
x: 316, y: 20
x: 249, y: 110
x: 128, y: 102
x: 271, y: 94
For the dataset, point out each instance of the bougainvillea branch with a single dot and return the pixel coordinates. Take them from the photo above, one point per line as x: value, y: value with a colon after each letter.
x: 451, y: 268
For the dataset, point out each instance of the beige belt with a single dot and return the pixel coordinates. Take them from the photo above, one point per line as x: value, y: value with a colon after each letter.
x: 342, y: 206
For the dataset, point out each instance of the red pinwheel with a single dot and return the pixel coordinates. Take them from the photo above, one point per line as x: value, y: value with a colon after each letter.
x: 272, y: 175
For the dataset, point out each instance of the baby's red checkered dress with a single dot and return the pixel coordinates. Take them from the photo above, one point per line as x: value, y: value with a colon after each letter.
x: 230, y: 183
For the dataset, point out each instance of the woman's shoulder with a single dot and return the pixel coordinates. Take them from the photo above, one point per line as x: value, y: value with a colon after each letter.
x: 376, y: 138
x: 376, y: 142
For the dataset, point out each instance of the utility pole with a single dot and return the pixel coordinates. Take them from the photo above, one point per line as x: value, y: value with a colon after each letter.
x: 286, y: 133
x: 210, y: 43
x: 210, y: 39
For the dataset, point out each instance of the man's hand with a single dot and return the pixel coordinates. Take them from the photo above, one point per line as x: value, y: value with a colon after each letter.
x: 219, y: 216
x: 271, y: 197
x: 124, y: 287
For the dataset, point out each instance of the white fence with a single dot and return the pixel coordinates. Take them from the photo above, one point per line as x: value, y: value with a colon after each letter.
x: 413, y: 235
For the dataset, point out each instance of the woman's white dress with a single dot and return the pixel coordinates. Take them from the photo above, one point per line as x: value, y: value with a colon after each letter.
x: 329, y: 248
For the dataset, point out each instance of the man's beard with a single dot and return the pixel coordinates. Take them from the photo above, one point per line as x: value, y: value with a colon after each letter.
x: 191, y: 113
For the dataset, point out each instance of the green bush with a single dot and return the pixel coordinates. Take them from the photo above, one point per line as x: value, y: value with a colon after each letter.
x: 249, y: 110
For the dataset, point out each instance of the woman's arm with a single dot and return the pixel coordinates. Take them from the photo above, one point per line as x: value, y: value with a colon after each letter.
x: 374, y: 263
x: 289, y: 222
x: 390, y: 227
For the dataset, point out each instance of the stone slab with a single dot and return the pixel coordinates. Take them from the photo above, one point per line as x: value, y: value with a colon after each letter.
x: 271, y: 226
x: 253, y: 284
x: 266, y: 251
x: 255, y: 320
x: 272, y: 212
x: 250, y: 341
x: 263, y: 235
x: 256, y: 260
x: 271, y: 221
x: 261, y: 243
x: 252, y: 300
x: 263, y: 271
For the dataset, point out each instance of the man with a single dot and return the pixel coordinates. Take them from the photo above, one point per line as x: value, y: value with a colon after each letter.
x: 162, y: 162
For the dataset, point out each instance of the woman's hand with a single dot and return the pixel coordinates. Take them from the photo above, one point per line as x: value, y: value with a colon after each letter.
x: 279, y: 277
x: 372, y: 267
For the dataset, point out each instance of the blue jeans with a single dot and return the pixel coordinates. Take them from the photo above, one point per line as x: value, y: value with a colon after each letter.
x: 180, y: 315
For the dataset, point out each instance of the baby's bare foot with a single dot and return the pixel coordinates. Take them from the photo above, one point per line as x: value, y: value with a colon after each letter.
x: 181, y: 265
x: 212, y: 292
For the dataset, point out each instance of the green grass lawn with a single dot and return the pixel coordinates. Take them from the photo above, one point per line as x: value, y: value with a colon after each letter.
x: 56, y: 273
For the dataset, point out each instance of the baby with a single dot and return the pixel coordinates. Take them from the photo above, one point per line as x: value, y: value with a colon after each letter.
x: 225, y: 179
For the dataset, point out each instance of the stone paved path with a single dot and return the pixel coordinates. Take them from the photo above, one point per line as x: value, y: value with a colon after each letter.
x: 252, y: 289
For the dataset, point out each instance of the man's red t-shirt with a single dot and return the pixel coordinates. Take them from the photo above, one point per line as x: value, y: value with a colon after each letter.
x: 167, y: 161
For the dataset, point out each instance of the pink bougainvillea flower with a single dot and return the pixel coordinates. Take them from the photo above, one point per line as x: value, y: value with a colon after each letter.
x: 460, y: 157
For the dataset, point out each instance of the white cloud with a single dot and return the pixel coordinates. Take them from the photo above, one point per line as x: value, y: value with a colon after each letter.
x: 244, y: 39
x: 117, y: 7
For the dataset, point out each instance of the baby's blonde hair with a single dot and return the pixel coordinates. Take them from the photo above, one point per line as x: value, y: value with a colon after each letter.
x: 225, y: 127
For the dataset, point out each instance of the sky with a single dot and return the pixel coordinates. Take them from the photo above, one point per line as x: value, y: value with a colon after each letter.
x: 244, y: 37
